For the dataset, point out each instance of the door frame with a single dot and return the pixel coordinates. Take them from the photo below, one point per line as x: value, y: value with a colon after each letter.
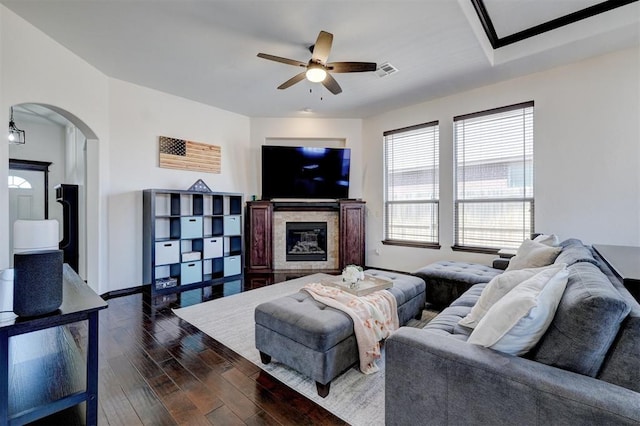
x: 41, y: 166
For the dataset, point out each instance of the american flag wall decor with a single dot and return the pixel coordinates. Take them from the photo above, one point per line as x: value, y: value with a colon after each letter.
x: 188, y: 155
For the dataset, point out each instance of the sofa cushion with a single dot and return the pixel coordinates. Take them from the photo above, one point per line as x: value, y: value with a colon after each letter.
x: 517, y: 321
x: 622, y: 363
x: 586, y: 322
x: 470, y: 297
x: 495, y: 290
x: 469, y: 273
x: 573, y: 251
x: 532, y: 254
x: 447, y: 322
x: 446, y: 280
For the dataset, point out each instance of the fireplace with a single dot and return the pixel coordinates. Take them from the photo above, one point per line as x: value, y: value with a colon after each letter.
x: 267, y: 235
x: 306, y: 241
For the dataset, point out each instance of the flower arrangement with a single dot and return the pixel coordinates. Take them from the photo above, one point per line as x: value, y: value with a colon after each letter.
x: 351, y: 274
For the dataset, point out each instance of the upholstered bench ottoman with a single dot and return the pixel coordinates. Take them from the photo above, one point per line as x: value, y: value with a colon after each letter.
x: 318, y: 341
x: 446, y: 280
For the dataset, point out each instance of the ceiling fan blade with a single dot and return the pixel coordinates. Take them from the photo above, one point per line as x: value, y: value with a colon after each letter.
x: 351, y: 66
x: 282, y: 60
x: 330, y: 83
x: 293, y: 80
x: 322, y: 47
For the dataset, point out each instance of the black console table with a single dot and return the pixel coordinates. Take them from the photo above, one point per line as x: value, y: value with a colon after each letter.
x: 625, y: 263
x: 21, y: 400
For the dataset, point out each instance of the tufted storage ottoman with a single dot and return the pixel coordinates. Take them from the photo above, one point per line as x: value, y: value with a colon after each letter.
x: 446, y: 280
x: 318, y: 341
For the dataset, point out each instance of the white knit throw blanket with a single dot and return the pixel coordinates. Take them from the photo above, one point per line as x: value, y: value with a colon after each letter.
x: 375, y: 317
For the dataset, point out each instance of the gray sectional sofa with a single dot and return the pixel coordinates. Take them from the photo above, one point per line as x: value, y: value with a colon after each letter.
x: 584, y: 370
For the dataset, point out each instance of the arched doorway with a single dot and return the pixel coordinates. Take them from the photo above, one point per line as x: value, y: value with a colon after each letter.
x: 59, y: 137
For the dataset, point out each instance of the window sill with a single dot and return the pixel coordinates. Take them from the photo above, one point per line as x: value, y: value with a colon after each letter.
x: 415, y: 244
x: 484, y: 250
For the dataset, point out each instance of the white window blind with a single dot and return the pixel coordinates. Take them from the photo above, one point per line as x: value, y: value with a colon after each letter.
x: 494, y: 203
x: 411, y: 157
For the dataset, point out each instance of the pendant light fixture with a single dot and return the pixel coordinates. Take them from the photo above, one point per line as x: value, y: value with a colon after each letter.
x: 16, y: 136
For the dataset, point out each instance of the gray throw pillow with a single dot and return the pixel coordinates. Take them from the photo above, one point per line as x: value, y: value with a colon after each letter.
x: 586, y: 322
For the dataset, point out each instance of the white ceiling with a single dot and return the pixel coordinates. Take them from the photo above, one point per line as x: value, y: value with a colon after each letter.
x: 206, y: 50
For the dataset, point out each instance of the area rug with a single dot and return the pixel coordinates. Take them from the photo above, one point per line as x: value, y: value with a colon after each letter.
x: 356, y: 398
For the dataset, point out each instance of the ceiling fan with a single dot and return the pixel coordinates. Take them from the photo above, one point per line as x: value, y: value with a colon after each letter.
x: 317, y: 69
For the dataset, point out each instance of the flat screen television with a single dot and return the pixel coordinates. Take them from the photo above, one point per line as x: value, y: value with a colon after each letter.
x: 305, y: 172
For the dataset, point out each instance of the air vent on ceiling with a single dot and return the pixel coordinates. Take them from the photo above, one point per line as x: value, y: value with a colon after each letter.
x: 385, y: 69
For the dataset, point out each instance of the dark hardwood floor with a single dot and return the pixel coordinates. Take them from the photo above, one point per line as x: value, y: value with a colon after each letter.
x: 156, y: 369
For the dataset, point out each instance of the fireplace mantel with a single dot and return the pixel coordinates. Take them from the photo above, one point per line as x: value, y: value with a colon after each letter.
x: 297, y: 206
x: 260, y: 230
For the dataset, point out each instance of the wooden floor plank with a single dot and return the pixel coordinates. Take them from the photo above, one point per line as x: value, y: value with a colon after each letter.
x: 201, y: 397
x: 262, y: 419
x: 112, y: 400
x: 224, y: 416
x: 232, y: 398
x: 144, y: 401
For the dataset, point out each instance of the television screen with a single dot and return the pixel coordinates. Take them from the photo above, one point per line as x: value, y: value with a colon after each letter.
x: 305, y: 172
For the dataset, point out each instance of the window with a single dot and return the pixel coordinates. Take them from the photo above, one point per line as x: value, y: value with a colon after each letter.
x: 18, y: 182
x: 411, y: 158
x: 494, y: 178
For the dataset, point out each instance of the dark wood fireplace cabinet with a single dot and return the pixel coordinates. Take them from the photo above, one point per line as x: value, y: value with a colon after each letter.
x: 259, y: 230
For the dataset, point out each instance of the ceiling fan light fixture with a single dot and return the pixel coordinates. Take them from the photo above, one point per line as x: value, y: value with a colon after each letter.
x: 316, y: 73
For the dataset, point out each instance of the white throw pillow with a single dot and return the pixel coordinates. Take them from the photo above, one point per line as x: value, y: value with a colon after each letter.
x: 532, y: 254
x: 495, y: 290
x: 517, y: 321
x: 550, y: 240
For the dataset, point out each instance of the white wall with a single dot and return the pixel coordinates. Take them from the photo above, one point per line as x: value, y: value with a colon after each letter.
x: 349, y: 130
x: 138, y: 116
x: 587, y: 155
x: 36, y: 69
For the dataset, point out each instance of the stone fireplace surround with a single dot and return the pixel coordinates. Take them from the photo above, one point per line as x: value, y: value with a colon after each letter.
x: 280, y: 218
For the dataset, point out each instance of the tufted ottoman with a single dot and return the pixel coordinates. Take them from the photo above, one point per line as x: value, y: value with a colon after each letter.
x: 318, y: 341
x: 446, y: 280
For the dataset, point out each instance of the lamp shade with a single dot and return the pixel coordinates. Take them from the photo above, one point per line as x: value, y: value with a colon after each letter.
x: 35, y: 235
x: 316, y: 73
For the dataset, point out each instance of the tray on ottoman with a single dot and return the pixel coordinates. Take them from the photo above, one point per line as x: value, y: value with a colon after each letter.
x: 369, y: 285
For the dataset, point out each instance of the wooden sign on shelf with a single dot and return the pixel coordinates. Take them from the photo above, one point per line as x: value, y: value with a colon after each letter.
x: 188, y: 155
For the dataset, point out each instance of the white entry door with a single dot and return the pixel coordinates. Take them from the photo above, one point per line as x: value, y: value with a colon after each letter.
x: 26, y: 198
